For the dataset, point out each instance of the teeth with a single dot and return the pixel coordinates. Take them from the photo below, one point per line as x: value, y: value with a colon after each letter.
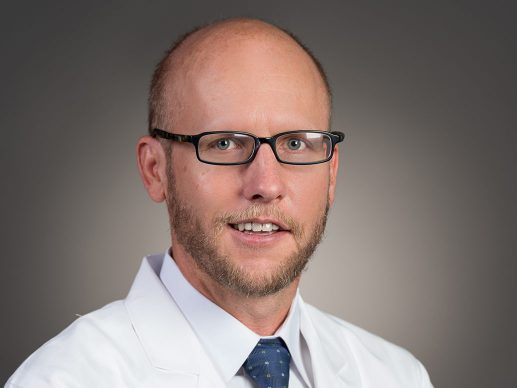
x: 257, y: 227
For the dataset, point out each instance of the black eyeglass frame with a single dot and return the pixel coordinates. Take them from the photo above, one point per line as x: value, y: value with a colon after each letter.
x: 335, y: 137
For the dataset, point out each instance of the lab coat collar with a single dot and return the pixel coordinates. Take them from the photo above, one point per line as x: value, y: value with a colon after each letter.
x: 157, y: 321
x: 171, y: 345
x: 333, y: 364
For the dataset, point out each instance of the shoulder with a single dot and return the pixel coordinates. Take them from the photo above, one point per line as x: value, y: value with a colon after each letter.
x: 375, y: 358
x: 333, y: 329
x: 93, y: 345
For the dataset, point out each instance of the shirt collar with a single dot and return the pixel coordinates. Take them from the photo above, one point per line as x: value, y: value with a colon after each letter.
x: 227, y: 341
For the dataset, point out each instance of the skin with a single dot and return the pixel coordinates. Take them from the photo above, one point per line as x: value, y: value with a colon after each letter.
x: 242, y: 75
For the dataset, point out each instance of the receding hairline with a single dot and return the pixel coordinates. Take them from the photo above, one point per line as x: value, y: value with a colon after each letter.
x: 190, y: 49
x: 225, y: 31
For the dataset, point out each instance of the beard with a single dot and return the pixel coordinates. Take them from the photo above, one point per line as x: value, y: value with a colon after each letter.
x: 201, y: 244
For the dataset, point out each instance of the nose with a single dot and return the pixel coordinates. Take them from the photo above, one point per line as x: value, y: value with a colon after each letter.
x: 263, y: 179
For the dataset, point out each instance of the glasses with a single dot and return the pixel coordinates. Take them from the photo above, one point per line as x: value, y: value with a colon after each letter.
x: 229, y: 148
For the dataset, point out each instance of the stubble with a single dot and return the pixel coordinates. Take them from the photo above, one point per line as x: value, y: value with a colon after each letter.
x: 202, y: 246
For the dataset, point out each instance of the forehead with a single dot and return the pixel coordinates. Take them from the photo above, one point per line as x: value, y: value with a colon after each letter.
x: 235, y: 82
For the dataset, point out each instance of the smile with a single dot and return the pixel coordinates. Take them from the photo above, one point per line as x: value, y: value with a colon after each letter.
x: 255, y: 227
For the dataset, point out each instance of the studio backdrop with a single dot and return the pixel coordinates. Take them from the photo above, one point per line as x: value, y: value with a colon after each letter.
x: 420, y: 244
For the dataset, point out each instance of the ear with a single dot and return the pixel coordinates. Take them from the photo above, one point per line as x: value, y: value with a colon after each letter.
x: 334, y: 164
x: 151, y: 164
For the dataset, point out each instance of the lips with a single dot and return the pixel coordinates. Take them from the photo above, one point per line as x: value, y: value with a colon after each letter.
x: 256, y: 227
x: 259, y: 226
x: 263, y: 232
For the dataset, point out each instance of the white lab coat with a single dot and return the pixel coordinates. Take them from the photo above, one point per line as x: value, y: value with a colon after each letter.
x: 145, y: 341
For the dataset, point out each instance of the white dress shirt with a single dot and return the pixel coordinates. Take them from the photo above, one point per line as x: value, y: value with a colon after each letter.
x: 226, y: 340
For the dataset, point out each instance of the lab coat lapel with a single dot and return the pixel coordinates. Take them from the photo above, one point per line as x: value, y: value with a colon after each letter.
x: 332, y: 363
x: 164, y: 333
x: 172, y: 347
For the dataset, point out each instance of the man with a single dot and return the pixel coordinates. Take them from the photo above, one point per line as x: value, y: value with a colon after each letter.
x: 239, y: 149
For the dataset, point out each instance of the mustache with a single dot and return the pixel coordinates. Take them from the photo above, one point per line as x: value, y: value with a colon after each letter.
x: 261, y: 210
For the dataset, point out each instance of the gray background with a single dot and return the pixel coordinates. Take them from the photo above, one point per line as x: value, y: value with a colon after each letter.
x: 420, y: 247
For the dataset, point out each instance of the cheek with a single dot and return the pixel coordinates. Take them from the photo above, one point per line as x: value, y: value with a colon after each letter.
x: 203, y: 190
x: 309, y: 193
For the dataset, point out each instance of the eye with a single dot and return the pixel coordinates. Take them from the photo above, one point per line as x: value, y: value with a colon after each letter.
x: 224, y: 144
x: 295, y: 144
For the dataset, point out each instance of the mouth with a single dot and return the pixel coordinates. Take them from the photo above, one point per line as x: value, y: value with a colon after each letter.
x: 260, y: 232
x: 256, y: 227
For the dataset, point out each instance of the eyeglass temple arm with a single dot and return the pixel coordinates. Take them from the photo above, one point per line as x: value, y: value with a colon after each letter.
x: 173, y: 136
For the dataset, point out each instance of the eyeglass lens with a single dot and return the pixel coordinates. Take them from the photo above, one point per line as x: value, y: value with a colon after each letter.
x: 298, y: 147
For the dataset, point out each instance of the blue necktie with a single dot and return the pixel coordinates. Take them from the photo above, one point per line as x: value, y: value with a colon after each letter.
x: 268, y: 363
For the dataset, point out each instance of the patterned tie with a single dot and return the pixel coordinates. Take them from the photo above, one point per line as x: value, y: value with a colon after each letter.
x: 268, y: 363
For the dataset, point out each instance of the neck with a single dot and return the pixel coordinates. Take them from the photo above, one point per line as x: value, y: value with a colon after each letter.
x: 263, y: 315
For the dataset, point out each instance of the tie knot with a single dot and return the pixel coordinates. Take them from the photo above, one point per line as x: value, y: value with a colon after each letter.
x: 268, y: 363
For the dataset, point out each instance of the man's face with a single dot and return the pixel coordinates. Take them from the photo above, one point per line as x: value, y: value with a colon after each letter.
x: 264, y: 91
